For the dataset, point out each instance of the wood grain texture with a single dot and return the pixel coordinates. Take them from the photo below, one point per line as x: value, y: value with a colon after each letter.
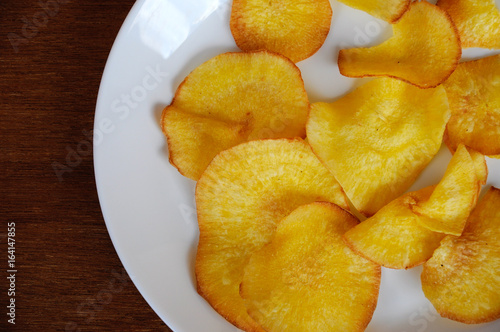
x: 69, y: 276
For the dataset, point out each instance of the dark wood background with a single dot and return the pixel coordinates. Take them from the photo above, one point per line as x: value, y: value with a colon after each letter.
x: 69, y: 277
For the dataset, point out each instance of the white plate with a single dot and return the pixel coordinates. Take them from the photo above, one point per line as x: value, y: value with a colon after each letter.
x: 149, y: 208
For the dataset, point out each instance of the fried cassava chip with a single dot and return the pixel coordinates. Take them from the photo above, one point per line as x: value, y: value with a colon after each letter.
x: 474, y: 94
x: 296, y: 29
x: 477, y: 21
x: 447, y: 209
x: 377, y: 139
x: 389, y: 10
x: 307, y: 279
x: 230, y: 99
x: 394, y: 237
x: 462, y: 279
x: 240, y: 198
x: 424, y: 50
x: 480, y: 166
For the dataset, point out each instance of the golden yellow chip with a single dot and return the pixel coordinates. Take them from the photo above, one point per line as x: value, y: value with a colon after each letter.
x: 447, y: 209
x: 474, y: 94
x: 477, y: 21
x: 307, y: 279
x: 424, y: 50
x: 230, y: 99
x: 296, y: 29
x: 240, y: 198
x: 377, y: 139
x: 388, y: 10
x: 394, y: 237
x: 480, y: 166
x: 462, y: 279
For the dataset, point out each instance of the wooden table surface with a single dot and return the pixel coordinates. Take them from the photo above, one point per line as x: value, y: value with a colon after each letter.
x: 67, y: 274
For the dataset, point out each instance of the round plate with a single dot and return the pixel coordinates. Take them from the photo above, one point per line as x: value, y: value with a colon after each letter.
x: 149, y: 207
